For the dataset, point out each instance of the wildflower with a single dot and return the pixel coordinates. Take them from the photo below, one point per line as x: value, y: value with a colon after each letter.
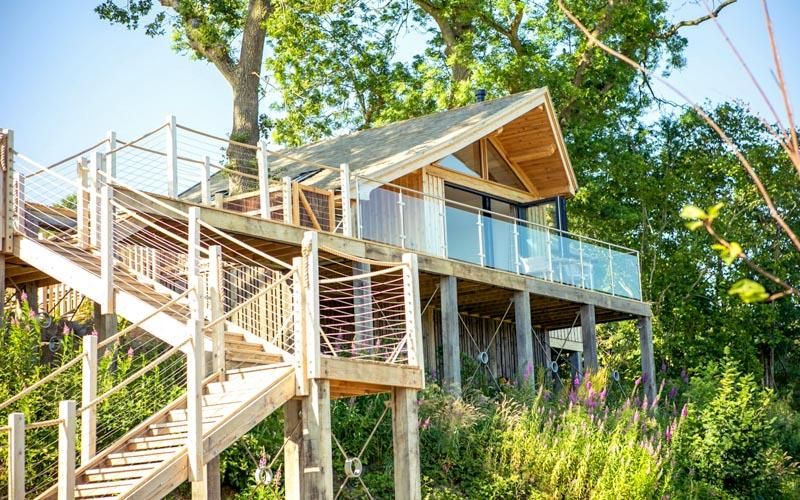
x: 130, y: 352
x: 425, y: 425
x: 663, y: 366
x: 637, y: 381
x: 67, y: 330
x: 684, y: 376
x: 262, y: 462
x: 636, y: 417
x: 23, y: 296
x: 573, y: 397
x: 673, y: 392
x: 528, y: 371
x: 685, y: 410
x: 603, y: 394
x: 93, y: 333
x: 654, y: 404
x: 577, y: 381
x: 591, y: 394
x: 32, y: 314
x: 588, y: 384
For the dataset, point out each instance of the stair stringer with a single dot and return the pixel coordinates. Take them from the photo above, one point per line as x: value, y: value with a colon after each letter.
x: 127, y: 305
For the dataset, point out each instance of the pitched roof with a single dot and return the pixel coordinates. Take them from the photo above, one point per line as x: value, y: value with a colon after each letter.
x: 391, y: 151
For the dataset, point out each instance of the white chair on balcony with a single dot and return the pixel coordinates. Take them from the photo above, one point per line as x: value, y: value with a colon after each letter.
x: 538, y: 266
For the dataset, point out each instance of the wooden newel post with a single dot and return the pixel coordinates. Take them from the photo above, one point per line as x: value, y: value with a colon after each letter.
x: 16, y: 456
x: 112, y: 155
x: 195, y: 358
x: 205, y: 189
x: 416, y: 356
x: 66, y: 450
x: 215, y: 288
x: 299, y: 328
x: 287, y: 196
x: 263, y: 179
x: 107, y: 247
x: 172, y: 156
x: 347, y: 204
x: 89, y: 393
x: 95, y: 167
x: 82, y: 205
x: 310, y: 251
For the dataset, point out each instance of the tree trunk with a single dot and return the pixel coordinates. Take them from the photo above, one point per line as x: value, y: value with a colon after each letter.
x: 768, y: 362
x: 245, y: 85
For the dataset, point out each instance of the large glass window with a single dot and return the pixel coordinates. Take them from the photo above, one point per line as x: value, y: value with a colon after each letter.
x: 499, y: 170
x: 466, y: 161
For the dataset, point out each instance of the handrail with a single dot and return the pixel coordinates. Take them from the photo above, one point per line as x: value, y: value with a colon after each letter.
x: 140, y: 138
x: 43, y: 423
x: 249, y: 301
x: 133, y: 377
x: 116, y: 182
x: 68, y: 158
x: 344, y: 279
x: 244, y: 245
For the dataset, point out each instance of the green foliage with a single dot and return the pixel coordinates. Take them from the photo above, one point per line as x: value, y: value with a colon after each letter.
x: 728, y: 442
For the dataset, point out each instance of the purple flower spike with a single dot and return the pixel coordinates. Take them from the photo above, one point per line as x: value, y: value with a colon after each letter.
x: 588, y: 384
x: 577, y: 381
x: 663, y: 366
x: 130, y: 352
x: 636, y: 417
x: 637, y: 381
x: 23, y: 297
x: 32, y: 314
x: 603, y: 394
x: 684, y: 376
x: 573, y: 397
x: 591, y: 394
x: 94, y: 333
x: 685, y: 411
x: 673, y: 392
x: 67, y: 330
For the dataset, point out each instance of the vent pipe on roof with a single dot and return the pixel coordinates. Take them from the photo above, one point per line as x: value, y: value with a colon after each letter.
x: 480, y: 95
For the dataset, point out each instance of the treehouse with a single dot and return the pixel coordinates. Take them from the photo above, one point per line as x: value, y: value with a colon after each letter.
x: 253, y: 280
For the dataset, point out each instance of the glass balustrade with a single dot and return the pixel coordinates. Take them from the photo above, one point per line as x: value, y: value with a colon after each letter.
x: 438, y: 227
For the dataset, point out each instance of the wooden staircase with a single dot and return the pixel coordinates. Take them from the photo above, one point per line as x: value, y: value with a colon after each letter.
x: 151, y: 460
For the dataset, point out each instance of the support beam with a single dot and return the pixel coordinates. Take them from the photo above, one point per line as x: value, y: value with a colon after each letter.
x: 195, y: 361
x: 648, y: 358
x: 317, y: 448
x: 589, y: 336
x: 405, y: 433
x: 429, y: 341
x: 524, y: 337
x: 293, y: 450
x: 66, y: 450
x: 16, y: 456
x: 89, y: 393
x: 213, y: 480
x: 451, y: 348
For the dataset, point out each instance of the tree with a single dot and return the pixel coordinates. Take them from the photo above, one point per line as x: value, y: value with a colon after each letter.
x: 228, y: 34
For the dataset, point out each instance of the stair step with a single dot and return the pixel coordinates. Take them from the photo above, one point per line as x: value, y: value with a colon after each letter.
x: 228, y: 386
x: 227, y: 397
x: 177, y: 427
x: 104, y: 488
x: 209, y: 412
x: 249, y: 373
x: 140, y: 456
x: 119, y: 472
x: 241, y: 356
x: 156, y: 442
x: 243, y: 345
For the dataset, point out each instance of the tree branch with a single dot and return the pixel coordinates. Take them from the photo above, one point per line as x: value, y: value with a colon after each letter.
x: 748, y: 168
x: 695, y: 22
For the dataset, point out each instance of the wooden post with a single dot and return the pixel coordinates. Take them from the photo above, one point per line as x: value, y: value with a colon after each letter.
x: 215, y: 289
x: 648, y: 357
x: 287, y: 200
x: 172, y: 156
x: 293, y: 455
x: 83, y: 207
x: 205, y: 189
x: 263, y: 179
x: 95, y: 167
x: 66, y: 450
x: 317, y: 448
x: 89, y: 393
x: 524, y: 337
x: 112, y: 155
x: 299, y: 328
x: 416, y: 355
x: 311, y: 302
x: 107, y: 248
x: 7, y: 202
x: 451, y: 348
x: 405, y: 433
x: 195, y: 361
x: 347, y: 206
x: 429, y: 342
x: 16, y: 456
x: 589, y: 338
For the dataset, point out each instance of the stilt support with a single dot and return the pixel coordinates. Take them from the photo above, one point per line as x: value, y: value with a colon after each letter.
x: 406, y: 444
x: 524, y: 337
x: 648, y: 359
x: 451, y: 348
x: 589, y: 335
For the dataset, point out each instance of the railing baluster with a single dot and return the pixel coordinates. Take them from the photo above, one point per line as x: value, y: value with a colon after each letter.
x: 205, y: 177
x: 347, y: 209
x: 400, y: 206
x: 172, y: 156
x: 263, y: 180
x: 16, y: 456
x: 66, y: 450
x: 215, y: 289
x: 516, y: 247
x: 481, y: 243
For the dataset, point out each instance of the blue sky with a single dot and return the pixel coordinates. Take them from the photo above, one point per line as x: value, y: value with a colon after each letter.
x: 69, y: 77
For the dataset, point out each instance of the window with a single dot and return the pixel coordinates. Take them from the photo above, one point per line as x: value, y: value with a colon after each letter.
x: 465, y: 161
x: 482, y: 159
x: 499, y: 170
